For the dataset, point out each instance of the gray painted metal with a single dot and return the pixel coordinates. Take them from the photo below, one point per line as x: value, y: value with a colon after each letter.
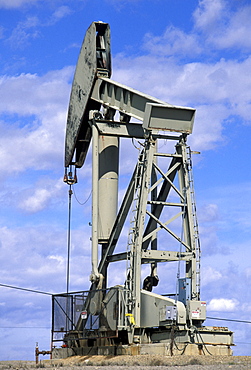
x: 92, y: 87
x: 148, y: 194
x: 119, y: 129
x: 141, y: 234
x: 164, y: 256
x: 153, y: 310
x: 131, y: 130
x: 155, y: 113
x: 107, y: 185
x: 140, y: 189
x: 152, y: 255
x: 94, y: 57
x: 164, y: 117
x: 95, y: 275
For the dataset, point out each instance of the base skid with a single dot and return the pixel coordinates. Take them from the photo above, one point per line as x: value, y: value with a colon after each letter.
x: 207, y: 340
x: 162, y: 349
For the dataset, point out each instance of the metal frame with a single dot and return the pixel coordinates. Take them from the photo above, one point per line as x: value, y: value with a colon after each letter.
x: 139, y: 199
x: 95, y: 99
x: 86, y: 120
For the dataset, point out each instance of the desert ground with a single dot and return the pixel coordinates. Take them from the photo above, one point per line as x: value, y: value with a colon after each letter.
x: 142, y: 362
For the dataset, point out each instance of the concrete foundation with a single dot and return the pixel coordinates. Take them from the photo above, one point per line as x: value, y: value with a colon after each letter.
x: 58, y: 353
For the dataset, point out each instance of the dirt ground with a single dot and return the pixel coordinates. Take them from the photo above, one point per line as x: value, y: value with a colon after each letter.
x: 142, y: 362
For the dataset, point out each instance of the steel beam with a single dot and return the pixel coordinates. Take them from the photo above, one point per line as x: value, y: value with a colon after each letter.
x: 152, y: 255
x: 143, y: 107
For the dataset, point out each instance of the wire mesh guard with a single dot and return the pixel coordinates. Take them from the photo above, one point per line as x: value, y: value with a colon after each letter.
x: 71, y: 313
x: 66, y: 311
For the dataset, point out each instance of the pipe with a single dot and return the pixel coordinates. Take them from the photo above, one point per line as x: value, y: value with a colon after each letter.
x: 37, y: 353
x: 95, y: 166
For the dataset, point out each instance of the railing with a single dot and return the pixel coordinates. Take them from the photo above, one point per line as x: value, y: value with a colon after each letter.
x: 71, y: 317
x: 66, y: 311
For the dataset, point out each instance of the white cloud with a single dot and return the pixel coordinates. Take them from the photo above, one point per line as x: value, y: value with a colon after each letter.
x: 210, y: 240
x: 224, y: 27
x: 223, y: 304
x: 33, y: 122
x: 120, y: 4
x: 208, y: 14
x: 42, y: 196
x: 8, y: 4
x: 23, y: 33
x: 222, y: 82
x: 28, y: 94
x: 238, y: 33
x: 38, y: 256
x: 173, y: 43
x: 29, y: 304
x: 38, y: 201
x: 208, y: 127
x: 217, y: 90
x: 248, y: 272
x: 61, y: 12
x: 231, y: 212
x: 209, y: 275
x: 58, y: 258
x: 209, y: 213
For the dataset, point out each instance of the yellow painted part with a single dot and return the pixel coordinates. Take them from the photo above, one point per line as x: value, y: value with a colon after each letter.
x: 131, y: 318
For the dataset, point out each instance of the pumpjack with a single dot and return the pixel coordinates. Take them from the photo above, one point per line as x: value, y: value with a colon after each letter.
x: 158, y: 213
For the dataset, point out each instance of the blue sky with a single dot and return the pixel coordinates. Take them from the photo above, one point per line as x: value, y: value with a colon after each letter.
x: 192, y: 53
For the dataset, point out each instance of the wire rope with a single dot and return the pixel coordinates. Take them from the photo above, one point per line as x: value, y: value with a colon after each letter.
x: 25, y: 289
x: 25, y: 327
x: 68, y: 241
x: 51, y: 294
x: 234, y: 320
x: 68, y: 255
x: 75, y: 196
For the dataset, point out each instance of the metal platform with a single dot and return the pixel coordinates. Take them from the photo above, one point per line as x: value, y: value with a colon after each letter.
x: 93, y: 339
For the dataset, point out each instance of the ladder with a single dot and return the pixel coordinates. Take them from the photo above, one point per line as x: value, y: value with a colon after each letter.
x: 134, y: 230
x: 195, y: 237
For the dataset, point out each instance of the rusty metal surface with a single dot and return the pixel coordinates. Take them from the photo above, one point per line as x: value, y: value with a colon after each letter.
x: 92, y: 60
